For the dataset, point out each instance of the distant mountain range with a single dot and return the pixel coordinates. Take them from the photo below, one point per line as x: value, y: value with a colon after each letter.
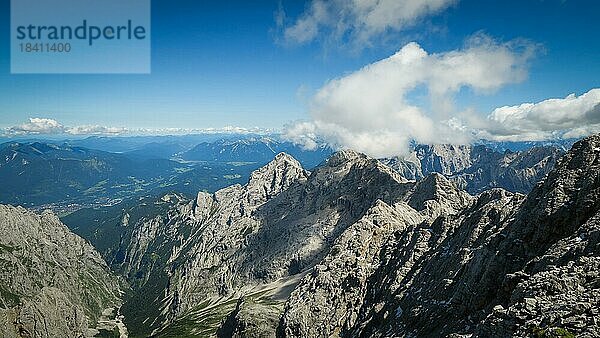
x: 124, y: 144
x: 65, y: 176
x: 37, y: 174
x: 479, y: 168
x: 514, y: 146
x: 257, y: 150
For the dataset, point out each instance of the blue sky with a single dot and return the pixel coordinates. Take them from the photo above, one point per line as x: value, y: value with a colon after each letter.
x: 225, y: 63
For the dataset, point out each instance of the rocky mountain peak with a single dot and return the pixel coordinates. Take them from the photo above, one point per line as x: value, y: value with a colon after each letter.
x: 264, y: 184
x: 575, y: 175
x: 444, y: 158
x: 344, y: 156
x: 584, y: 153
x: 546, y: 225
x: 276, y: 176
x: 282, y: 156
x: 445, y: 149
x: 493, y: 265
x: 437, y: 188
x: 353, y: 167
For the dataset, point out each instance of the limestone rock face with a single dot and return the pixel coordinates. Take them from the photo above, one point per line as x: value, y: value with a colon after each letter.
x: 477, y: 168
x: 52, y: 282
x: 251, y: 319
x: 328, y: 299
x: 387, y: 243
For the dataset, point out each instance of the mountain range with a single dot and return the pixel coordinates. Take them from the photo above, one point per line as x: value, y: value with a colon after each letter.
x: 432, y: 244
x: 62, y: 176
x: 65, y: 177
x: 258, y: 150
x: 354, y: 249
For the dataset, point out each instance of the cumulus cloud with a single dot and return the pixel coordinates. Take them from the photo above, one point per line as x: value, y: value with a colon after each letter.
x: 569, y: 117
x: 358, y: 20
x: 37, y: 126
x: 303, y: 133
x: 371, y: 111
x: 45, y: 126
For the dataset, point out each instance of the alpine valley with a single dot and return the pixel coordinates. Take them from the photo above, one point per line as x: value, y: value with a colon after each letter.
x: 280, y: 241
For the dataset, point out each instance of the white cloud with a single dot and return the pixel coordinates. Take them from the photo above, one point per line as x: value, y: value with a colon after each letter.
x: 571, y: 117
x: 303, y: 133
x: 358, y: 20
x: 45, y: 126
x: 37, y: 126
x: 370, y: 110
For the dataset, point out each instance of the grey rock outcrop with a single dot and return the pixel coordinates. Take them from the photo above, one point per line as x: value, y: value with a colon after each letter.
x: 478, y: 168
x: 52, y: 282
x: 251, y: 319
